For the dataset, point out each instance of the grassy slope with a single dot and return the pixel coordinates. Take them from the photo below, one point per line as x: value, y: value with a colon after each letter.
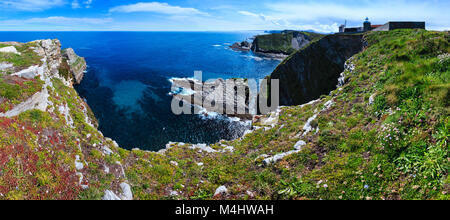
x: 38, y: 149
x: 15, y: 90
x: 37, y: 153
x: 396, y: 148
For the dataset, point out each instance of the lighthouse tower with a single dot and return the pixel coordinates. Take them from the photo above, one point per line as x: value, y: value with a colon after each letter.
x: 367, y: 25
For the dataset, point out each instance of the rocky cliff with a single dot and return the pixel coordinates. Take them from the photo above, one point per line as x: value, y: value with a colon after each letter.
x: 314, y: 70
x: 49, y: 145
x: 76, y: 64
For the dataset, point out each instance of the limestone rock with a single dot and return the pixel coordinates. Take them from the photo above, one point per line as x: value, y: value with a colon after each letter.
x: 76, y: 63
x: 9, y: 49
x: 221, y: 190
x: 4, y: 66
x: 126, y: 191
x: 243, y: 46
x: 109, y: 195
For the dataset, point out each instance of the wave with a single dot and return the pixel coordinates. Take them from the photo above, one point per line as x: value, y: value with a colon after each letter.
x: 253, y: 57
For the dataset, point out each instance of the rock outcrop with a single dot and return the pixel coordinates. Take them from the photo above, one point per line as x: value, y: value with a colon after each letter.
x: 76, y: 63
x: 243, y: 46
x: 314, y: 70
x: 50, y: 131
x: 9, y: 49
x: 219, y: 96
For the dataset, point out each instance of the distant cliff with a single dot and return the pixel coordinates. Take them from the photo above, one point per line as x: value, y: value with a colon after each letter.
x: 278, y: 45
x: 285, y: 42
x: 315, y: 69
x: 76, y: 64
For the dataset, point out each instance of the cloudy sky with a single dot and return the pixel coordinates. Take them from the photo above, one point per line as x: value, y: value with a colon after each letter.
x: 214, y: 15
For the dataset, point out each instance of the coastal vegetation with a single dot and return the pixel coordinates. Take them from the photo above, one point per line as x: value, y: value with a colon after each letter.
x: 392, y: 147
x: 382, y: 134
x: 26, y: 58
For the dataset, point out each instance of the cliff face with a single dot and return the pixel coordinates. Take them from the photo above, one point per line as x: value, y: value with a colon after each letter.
x: 285, y: 42
x: 77, y: 64
x: 314, y: 70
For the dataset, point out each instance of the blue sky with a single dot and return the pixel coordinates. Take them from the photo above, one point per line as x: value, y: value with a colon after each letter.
x: 213, y: 15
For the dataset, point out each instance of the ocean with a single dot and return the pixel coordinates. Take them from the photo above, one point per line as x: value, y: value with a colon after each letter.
x: 127, y: 81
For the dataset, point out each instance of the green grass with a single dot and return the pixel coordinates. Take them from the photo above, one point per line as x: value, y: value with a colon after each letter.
x: 27, y: 57
x: 16, y: 92
x: 64, y: 70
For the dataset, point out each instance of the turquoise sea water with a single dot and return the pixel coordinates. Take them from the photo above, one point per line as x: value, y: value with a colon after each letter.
x: 127, y: 80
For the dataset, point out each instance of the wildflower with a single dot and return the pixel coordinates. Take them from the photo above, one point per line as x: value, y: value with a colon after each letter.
x: 325, y: 186
x: 366, y: 186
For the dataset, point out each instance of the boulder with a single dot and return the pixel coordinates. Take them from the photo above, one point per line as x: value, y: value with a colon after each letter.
x: 242, y: 46
x: 221, y: 190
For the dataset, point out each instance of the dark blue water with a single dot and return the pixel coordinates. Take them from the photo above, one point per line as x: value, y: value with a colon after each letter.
x: 127, y: 85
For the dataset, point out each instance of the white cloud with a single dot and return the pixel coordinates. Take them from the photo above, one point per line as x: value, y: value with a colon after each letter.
x: 75, y: 4
x: 87, y: 3
x: 247, y: 13
x: 31, y: 5
x: 157, y: 7
x: 60, y: 20
x: 379, y: 11
x: 322, y: 17
x: 270, y: 20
